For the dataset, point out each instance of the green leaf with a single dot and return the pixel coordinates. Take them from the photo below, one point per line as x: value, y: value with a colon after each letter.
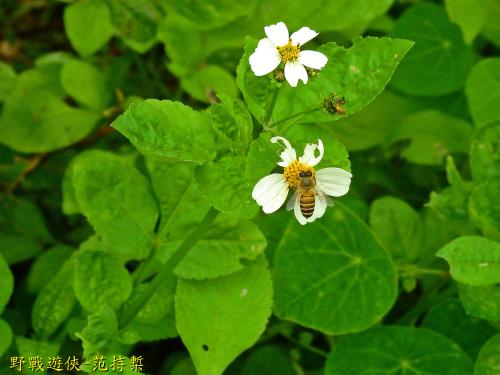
x: 46, y: 266
x: 208, y: 314
x: 31, y: 348
x: 473, y: 260
x: 432, y: 135
x: 101, y: 278
x: 35, y: 117
x: 135, y: 22
x: 161, y: 329
x: 55, y: 302
x: 208, y: 82
x: 100, y: 332
x: 267, y: 360
x: 169, y: 129
x: 399, y: 350
x: 488, y: 360
x: 397, y: 226
x: 232, y: 122
x: 359, y: 74
x: 481, y: 301
x: 483, y: 91
x: 484, y: 208
x: 6, y: 283
x: 450, y: 320
x: 440, y: 61
x: 86, y: 84
x: 491, y: 30
x: 117, y: 200
x: 5, y: 337
x: 7, y: 80
x: 22, y: 230
x: 485, y: 153
x: 88, y: 25
x: 333, y: 276
x: 470, y: 15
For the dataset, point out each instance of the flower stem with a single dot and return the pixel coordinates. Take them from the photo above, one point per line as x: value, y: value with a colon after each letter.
x: 128, y: 314
x: 295, y: 115
x: 270, y: 107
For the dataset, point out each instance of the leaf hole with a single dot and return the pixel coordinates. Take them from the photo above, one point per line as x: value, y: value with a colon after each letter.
x: 205, y: 347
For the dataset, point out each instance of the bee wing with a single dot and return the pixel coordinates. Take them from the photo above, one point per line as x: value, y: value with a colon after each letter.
x: 329, y: 201
x: 291, y: 202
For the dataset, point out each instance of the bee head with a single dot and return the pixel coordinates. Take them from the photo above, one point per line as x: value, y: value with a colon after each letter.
x: 305, y: 174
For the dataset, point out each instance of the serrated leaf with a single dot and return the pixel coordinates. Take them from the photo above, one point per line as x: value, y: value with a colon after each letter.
x: 473, y: 260
x: 100, y: 332
x: 484, y: 208
x: 55, y: 302
x: 485, y: 153
x: 400, y: 350
x: 397, y: 226
x: 101, y: 278
x: 5, y: 337
x: 488, y: 360
x: 483, y: 94
x: 359, y: 74
x: 333, y: 276
x: 470, y: 15
x: 117, y: 200
x: 86, y: 84
x: 30, y: 347
x: 6, y: 283
x: 88, y: 25
x: 169, y: 129
x: 208, y: 313
x: 46, y: 266
x: 440, y: 61
x: 481, y: 301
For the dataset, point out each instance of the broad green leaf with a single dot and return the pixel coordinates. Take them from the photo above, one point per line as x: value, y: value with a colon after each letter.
x: 488, y: 360
x: 6, y: 283
x: 208, y: 82
x: 30, y: 347
x: 440, y: 60
x: 5, y: 337
x: 398, y: 350
x: 210, y: 312
x: 86, y: 84
x: 432, y: 135
x: 397, y: 226
x: 483, y: 91
x: 485, y: 153
x: 183, y: 367
x: 22, y: 230
x: 135, y: 22
x: 161, y: 329
x: 481, y: 301
x: 55, y: 301
x: 117, y: 200
x: 88, y: 25
x: 169, y: 129
x: 35, y: 117
x: 101, y: 278
x: 232, y: 122
x: 484, y: 208
x: 359, y: 74
x: 262, y: 158
x: 46, y: 266
x: 7, y: 80
x: 267, y: 360
x: 491, y: 30
x: 69, y: 202
x: 333, y: 275
x: 100, y: 332
x: 450, y: 320
x: 473, y: 260
x: 470, y: 15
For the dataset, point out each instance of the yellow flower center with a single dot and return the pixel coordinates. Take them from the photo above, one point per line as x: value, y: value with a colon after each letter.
x: 289, y: 52
x: 292, y: 171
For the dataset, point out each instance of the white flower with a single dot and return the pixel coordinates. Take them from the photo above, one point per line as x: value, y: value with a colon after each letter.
x: 279, y: 47
x: 271, y: 191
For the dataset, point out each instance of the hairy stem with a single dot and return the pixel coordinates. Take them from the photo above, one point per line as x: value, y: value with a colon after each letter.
x: 128, y: 314
x: 270, y: 107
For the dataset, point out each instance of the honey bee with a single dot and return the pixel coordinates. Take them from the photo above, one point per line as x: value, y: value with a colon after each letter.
x: 306, y: 191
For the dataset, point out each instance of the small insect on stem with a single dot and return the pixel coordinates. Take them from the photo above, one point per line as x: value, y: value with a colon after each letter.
x: 334, y: 104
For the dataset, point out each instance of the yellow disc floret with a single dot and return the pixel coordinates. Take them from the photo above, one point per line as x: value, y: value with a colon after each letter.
x: 289, y: 52
x: 292, y: 171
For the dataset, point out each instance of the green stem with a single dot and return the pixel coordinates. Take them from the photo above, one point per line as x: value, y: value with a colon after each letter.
x: 294, y: 116
x: 270, y: 108
x: 305, y: 346
x: 131, y: 311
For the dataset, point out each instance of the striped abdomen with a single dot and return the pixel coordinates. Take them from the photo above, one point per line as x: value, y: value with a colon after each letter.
x: 307, y: 203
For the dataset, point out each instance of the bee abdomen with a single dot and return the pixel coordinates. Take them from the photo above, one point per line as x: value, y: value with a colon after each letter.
x: 307, y: 204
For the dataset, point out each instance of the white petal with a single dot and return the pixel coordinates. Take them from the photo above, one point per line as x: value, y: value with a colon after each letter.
x: 276, y: 202
x: 267, y: 187
x: 298, y: 214
x: 333, y: 181
x: 312, y: 59
x: 295, y: 71
x: 303, y: 36
x: 277, y: 34
x: 320, y: 204
x: 265, y: 43
x: 291, y: 202
x: 264, y: 60
x: 308, y: 157
x: 288, y: 155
